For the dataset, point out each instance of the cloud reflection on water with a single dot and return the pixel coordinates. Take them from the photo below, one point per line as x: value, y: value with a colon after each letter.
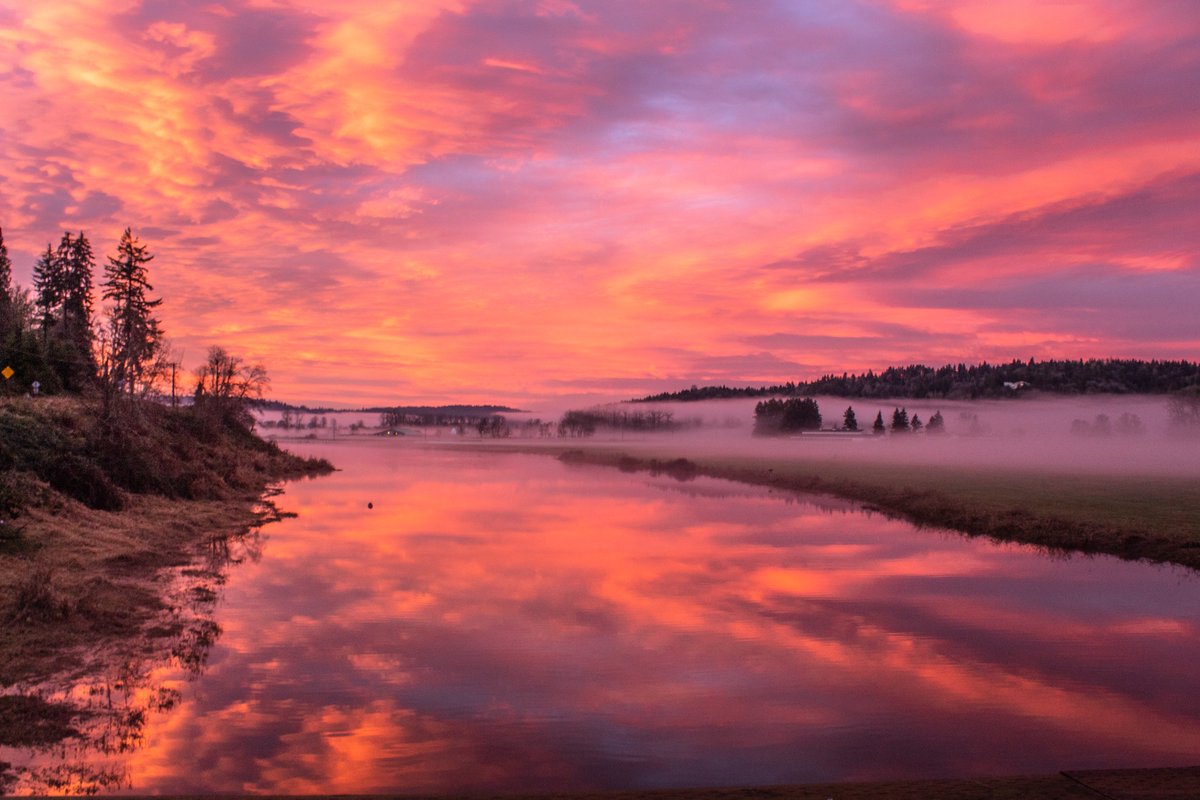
x: 508, y: 623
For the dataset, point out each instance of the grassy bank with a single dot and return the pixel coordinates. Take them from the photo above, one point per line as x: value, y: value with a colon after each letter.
x: 1156, y: 518
x: 100, y: 515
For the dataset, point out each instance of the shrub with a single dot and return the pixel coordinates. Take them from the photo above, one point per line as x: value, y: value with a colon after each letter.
x: 14, y: 494
x: 36, y: 599
x: 84, y: 480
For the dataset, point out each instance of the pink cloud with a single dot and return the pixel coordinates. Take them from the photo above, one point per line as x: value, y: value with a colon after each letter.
x: 573, y: 192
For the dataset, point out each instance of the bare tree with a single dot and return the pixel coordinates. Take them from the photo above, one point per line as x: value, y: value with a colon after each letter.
x: 226, y: 379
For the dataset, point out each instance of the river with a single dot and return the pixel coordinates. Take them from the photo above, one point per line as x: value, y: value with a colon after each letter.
x: 436, y: 620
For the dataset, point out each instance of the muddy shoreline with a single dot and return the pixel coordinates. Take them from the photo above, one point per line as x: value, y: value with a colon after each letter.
x: 113, y: 551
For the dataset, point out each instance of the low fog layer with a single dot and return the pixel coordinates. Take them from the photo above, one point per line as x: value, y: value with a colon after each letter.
x: 1026, y: 432
x: 1022, y: 432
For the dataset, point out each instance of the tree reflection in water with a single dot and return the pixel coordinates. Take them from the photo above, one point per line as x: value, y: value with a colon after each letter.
x: 85, y: 724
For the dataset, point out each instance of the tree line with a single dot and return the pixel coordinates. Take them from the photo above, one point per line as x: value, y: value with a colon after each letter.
x: 53, y: 341
x: 50, y: 336
x: 977, y: 381
x: 424, y: 416
x: 798, y: 414
x: 581, y: 423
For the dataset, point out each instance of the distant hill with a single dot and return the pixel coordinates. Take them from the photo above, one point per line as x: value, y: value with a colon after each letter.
x: 959, y: 381
x: 422, y: 411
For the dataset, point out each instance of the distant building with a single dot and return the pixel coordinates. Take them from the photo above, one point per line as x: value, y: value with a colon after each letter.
x: 1017, y: 386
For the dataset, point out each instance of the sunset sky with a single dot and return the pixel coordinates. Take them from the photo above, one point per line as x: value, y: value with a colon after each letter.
x: 509, y: 200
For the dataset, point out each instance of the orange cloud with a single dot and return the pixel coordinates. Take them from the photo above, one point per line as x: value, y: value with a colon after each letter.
x: 475, y: 201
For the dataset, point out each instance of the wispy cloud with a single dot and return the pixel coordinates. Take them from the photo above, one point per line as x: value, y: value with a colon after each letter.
x: 499, y: 198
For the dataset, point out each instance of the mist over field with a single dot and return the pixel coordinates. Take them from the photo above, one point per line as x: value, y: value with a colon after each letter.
x: 1024, y: 432
x: 1027, y: 433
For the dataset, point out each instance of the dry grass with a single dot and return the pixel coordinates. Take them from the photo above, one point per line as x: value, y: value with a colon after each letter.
x: 96, y: 578
x: 93, y: 513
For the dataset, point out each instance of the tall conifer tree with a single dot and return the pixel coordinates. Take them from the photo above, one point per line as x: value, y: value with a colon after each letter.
x: 47, y: 286
x: 7, y: 298
x: 78, y: 264
x: 135, y: 332
x: 8, y: 304
x: 6, y: 284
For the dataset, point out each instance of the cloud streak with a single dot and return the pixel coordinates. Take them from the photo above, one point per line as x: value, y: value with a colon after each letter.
x: 499, y: 199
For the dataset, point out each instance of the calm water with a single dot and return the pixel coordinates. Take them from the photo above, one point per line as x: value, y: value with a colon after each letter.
x: 508, y: 622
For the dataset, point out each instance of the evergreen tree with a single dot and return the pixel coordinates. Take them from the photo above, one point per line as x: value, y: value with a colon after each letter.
x: 900, y: 421
x: 134, y: 330
x: 6, y: 284
x: 936, y: 424
x: 801, y: 414
x: 7, y: 298
x: 47, y: 287
x: 63, y: 281
x: 78, y: 265
x: 878, y: 429
x: 77, y: 283
x: 917, y: 424
x: 849, y: 421
x: 793, y: 414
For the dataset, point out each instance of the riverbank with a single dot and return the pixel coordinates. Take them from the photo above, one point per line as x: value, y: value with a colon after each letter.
x: 1128, y: 784
x: 114, y: 531
x: 1152, y: 517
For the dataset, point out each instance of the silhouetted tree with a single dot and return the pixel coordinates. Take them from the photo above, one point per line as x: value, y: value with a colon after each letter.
x: 780, y: 416
x: 849, y: 421
x: 78, y: 366
x: 1183, y: 412
x: 7, y: 295
x: 227, y: 380
x: 10, y: 329
x: 77, y: 279
x: 978, y: 380
x: 134, y: 331
x: 48, y: 289
x: 576, y: 423
x: 900, y: 421
x: 878, y: 428
x: 495, y: 426
x: 917, y: 424
x: 936, y: 424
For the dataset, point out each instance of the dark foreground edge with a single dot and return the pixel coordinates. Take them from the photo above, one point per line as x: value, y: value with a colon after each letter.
x: 1182, y: 783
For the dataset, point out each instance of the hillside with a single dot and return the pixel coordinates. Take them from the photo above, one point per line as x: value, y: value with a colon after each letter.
x: 963, y: 382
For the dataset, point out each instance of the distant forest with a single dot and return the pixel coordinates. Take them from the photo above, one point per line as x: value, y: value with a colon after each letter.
x: 463, y: 411
x: 959, y: 381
